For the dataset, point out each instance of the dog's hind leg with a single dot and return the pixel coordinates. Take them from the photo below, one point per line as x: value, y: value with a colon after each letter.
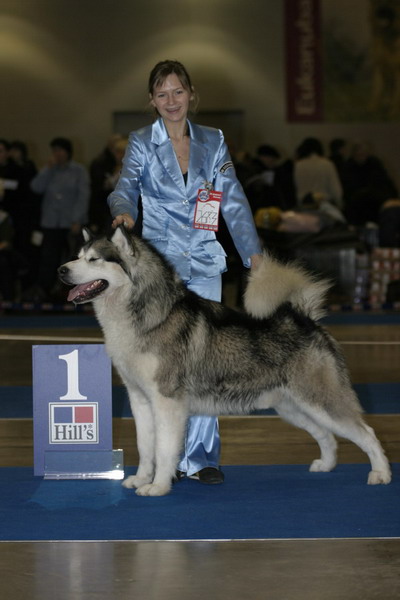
x: 170, y: 418
x: 364, y: 436
x: 345, y: 420
x: 289, y: 411
x: 145, y: 435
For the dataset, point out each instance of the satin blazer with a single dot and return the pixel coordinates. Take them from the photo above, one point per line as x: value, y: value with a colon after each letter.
x: 151, y: 170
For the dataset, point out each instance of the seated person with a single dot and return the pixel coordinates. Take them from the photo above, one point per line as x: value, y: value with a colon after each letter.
x: 314, y: 215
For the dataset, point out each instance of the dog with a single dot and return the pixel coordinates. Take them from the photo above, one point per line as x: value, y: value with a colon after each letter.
x: 179, y: 354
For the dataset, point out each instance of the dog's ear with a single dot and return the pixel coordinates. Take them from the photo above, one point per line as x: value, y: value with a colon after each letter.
x: 123, y: 240
x: 87, y: 234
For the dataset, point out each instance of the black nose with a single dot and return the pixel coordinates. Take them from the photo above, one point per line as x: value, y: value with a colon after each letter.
x: 63, y: 270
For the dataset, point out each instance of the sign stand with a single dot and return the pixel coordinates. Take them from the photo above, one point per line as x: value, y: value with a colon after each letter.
x: 100, y: 464
x: 72, y: 413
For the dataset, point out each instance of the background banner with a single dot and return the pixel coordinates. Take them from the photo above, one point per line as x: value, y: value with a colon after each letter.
x: 342, y: 60
x: 303, y: 60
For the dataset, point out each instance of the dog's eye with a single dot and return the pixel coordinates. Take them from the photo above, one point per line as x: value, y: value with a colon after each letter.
x: 93, y: 259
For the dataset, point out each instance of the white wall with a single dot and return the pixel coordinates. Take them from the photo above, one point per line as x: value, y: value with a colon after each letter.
x: 66, y: 65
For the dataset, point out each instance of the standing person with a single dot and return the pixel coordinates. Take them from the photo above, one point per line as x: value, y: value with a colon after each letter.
x: 25, y: 214
x: 101, y: 168
x: 168, y: 163
x: 10, y: 175
x: 64, y: 184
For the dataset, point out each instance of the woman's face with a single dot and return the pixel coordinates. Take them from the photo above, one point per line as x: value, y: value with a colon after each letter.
x: 171, y: 99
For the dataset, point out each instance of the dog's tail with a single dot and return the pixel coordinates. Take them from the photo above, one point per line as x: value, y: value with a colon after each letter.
x: 272, y: 283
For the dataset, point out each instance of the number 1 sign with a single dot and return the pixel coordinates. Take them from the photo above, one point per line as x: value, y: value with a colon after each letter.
x: 72, y: 413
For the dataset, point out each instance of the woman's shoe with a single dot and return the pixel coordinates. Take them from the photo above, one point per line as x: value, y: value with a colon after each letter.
x: 209, y: 475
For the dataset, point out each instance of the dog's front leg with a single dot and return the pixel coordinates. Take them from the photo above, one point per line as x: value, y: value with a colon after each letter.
x: 144, y: 422
x: 170, y: 418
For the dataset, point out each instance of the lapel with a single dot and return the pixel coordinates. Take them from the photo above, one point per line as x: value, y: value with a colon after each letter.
x: 166, y: 154
x: 198, y: 154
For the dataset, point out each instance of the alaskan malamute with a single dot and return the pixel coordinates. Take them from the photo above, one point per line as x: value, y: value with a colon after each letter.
x: 179, y: 354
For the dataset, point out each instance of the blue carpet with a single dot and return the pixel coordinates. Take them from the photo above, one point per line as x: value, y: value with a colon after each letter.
x: 255, y: 502
x: 376, y: 398
x: 76, y: 319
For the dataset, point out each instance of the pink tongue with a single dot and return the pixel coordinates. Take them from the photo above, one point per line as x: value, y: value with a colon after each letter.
x: 76, y: 291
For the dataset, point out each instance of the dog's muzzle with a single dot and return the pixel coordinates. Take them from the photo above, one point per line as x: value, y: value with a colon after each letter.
x: 83, y: 292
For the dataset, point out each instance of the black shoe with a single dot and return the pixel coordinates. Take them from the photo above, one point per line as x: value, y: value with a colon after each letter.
x: 178, y: 476
x: 209, y: 475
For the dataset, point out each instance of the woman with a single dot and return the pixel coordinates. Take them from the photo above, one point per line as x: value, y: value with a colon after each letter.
x: 173, y: 165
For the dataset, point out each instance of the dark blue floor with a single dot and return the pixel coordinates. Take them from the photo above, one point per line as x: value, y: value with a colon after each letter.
x: 255, y: 502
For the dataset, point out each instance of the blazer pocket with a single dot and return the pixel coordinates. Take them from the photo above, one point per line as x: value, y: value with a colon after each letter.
x: 214, y: 252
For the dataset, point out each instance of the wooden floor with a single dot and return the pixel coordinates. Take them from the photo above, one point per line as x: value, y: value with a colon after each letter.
x: 272, y: 569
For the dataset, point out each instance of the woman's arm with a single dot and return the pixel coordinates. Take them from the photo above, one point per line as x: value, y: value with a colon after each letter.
x: 123, y: 200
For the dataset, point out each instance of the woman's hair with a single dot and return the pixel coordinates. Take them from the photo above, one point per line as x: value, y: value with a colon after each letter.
x: 160, y: 72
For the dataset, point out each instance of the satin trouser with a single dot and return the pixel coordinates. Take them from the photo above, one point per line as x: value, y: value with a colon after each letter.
x: 202, y: 441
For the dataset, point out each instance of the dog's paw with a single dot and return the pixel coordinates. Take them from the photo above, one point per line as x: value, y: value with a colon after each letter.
x: 319, y: 466
x: 153, y: 489
x: 135, y: 482
x: 377, y: 477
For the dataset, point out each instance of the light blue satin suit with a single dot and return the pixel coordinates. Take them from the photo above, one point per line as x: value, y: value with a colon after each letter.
x: 151, y: 170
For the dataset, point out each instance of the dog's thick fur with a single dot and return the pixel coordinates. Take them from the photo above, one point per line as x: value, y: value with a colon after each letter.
x: 179, y: 354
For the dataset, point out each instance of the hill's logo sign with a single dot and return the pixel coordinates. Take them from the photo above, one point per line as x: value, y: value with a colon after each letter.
x: 72, y: 411
x: 73, y: 423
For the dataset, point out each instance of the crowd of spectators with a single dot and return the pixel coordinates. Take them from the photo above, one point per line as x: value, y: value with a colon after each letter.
x: 346, y: 189
x: 42, y: 212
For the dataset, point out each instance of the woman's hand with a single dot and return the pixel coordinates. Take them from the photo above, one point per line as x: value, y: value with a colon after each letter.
x: 124, y: 219
x: 256, y: 260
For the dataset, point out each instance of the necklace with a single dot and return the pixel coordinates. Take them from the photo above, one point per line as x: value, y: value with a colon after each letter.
x: 181, y: 149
